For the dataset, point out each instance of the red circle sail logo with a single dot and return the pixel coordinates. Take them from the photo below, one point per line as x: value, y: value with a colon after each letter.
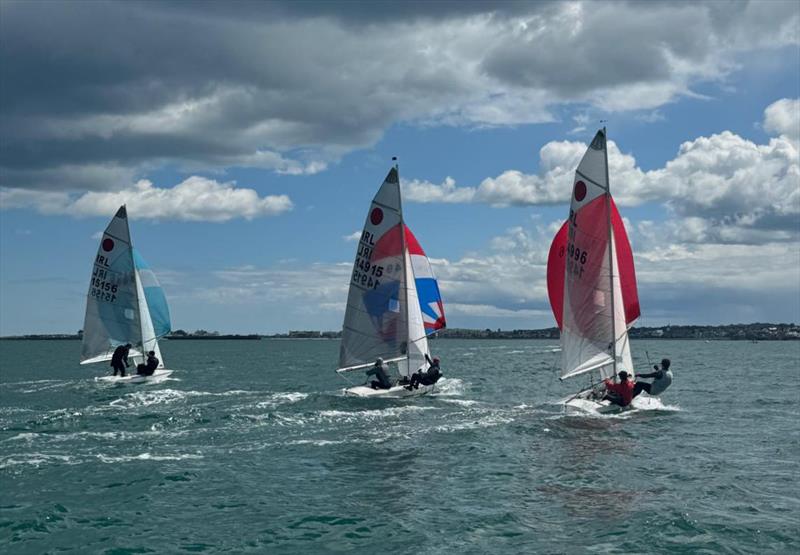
x: 108, y: 244
x: 580, y: 191
x: 376, y: 216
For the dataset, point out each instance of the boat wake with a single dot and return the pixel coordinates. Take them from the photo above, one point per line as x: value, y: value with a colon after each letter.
x: 592, y: 409
x: 450, y: 387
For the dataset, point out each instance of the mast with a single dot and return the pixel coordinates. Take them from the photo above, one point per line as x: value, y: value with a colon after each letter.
x: 138, y: 286
x: 403, y: 255
x: 610, y: 256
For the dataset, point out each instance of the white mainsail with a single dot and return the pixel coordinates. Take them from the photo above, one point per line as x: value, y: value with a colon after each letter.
x: 376, y: 318
x: 121, y: 290
x: 594, y: 333
x: 112, y: 303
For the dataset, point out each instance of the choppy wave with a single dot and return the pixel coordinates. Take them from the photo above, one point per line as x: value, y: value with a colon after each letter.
x: 35, y: 459
x: 146, y: 457
x: 488, y: 463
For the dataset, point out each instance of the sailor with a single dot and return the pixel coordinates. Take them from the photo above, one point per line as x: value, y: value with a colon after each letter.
x: 119, y: 360
x: 150, y: 365
x: 663, y: 379
x: 426, y: 378
x: 379, y: 371
x: 620, y: 393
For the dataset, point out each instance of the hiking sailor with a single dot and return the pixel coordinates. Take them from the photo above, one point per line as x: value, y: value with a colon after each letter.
x: 150, y: 365
x: 663, y: 379
x: 426, y: 378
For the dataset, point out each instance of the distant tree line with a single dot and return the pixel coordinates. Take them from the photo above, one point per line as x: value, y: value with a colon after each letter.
x: 739, y: 332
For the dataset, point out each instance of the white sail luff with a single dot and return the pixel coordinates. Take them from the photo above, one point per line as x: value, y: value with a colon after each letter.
x: 417, y: 339
x: 612, y: 264
x: 622, y: 349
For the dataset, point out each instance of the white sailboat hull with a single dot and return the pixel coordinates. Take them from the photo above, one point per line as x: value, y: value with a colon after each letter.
x: 584, y: 403
x: 396, y: 392
x: 134, y: 378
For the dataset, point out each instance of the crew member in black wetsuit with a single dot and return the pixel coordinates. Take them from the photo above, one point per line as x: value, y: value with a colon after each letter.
x: 119, y: 360
x: 379, y: 371
x: 426, y: 378
x: 149, y: 366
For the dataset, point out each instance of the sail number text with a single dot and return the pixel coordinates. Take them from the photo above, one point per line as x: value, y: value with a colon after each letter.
x: 100, y: 288
x: 364, y: 273
x: 576, y: 258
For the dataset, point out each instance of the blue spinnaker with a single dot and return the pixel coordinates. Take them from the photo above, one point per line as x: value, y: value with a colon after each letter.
x: 154, y: 295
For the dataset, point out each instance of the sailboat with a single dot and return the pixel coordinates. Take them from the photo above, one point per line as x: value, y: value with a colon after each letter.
x: 394, y: 302
x: 125, y: 304
x: 591, y: 283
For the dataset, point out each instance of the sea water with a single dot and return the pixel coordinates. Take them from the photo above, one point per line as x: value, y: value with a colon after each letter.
x: 252, y: 448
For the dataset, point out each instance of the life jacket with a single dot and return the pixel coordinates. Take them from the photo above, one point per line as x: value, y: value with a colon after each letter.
x: 624, y: 390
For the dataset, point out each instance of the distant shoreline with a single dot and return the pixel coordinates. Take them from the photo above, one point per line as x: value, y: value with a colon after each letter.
x: 731, y: 332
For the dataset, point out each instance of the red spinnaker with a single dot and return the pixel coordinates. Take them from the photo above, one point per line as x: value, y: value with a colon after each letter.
x: 556, y: 269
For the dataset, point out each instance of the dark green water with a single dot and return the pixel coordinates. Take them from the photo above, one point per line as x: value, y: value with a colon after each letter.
x: 252, y: 449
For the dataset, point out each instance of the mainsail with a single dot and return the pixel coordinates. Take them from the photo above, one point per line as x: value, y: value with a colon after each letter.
x: 590, y: 275
x: 376, y: 317
x: 112, y: 304
x: 394, y: 301
x: 125, y: 303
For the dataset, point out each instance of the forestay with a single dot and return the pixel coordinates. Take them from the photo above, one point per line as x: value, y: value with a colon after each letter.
x: 591, y: 279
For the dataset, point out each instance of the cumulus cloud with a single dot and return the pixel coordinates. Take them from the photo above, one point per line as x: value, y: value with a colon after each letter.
x: 292, y: 86
x: 783, y: 118
x: 355, y: 236
x: 194, y: 199
x: 721, y: 281
x: 733, y: 185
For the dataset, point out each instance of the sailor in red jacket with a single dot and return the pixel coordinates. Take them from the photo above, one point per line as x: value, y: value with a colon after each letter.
x: 620, y: 393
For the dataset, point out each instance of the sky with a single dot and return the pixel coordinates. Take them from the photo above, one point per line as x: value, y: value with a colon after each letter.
x: 247, y: 140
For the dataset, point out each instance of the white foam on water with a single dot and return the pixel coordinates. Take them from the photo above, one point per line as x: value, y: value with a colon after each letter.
x: 450, y: 387
x: 461, y: 402
x: 44, y: 385
x: 29, y: 382
x: 318, y: 442
x: 35, y: 459
x: 487, y: 421
x: 374, y: 414
x: 147, y: 398
x: 147, y: 457
x: 26, y: 436
x: 119, y: 435
x: 643, y: 402
x: 277, y: 399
